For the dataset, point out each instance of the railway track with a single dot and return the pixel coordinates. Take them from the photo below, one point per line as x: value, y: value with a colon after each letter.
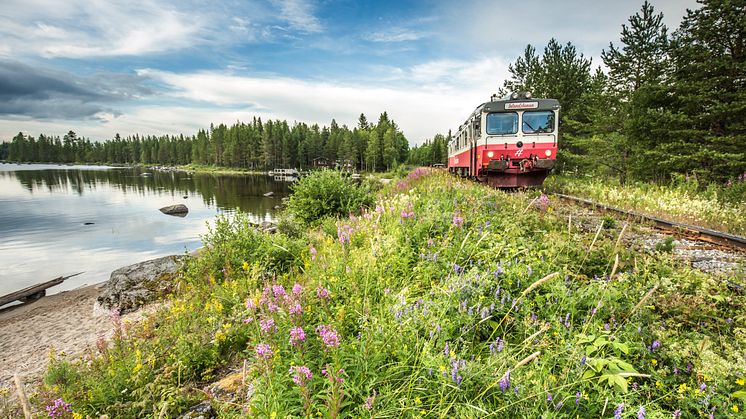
x: 690, y: 231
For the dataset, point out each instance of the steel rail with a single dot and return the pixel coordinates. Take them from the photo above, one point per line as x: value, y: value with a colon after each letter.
x: 696, y: 232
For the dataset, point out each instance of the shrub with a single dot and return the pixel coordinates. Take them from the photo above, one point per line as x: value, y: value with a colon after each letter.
x: 326, y: 193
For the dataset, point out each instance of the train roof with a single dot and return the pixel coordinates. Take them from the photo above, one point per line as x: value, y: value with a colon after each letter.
x: 519, y: 105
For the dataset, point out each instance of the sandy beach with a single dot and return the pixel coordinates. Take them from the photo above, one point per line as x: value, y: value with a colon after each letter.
x: 64, y: 321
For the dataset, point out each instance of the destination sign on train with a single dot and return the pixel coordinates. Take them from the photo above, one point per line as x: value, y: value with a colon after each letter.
x: 522, y: 105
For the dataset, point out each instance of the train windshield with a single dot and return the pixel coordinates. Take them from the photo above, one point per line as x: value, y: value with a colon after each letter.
x: 502, y: 123
x: 536, y: 122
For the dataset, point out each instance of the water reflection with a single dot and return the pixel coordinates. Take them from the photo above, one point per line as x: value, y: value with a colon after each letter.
x: 61, y: 220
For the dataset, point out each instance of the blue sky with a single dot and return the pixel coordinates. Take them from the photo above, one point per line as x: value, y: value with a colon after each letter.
x: 170, y: 67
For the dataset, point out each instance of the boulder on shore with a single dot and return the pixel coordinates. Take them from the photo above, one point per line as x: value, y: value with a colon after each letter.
x: 178, y: 209
x: 132, y: 286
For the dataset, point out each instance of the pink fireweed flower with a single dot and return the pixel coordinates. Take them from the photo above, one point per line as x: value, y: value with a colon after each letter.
x: 268, y: 326
x: 458, y: 221
x: 58, y: 408
x: 297, y: 336
x: 278, y: 291
x: 296, y: 309
x: 322, y: 293
x: 272, y: 307
x: 250, y: 304
x: 312, y: 251
x: 328, y: 335
x: 263, y: 351
x: 301, y: 374
x: 297, y: 289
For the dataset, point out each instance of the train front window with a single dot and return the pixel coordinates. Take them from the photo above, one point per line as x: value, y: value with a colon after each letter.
x: 536, y: 122
x: 502, y: 123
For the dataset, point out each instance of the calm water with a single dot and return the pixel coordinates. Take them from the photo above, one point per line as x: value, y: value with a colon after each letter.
x: 44, y: 210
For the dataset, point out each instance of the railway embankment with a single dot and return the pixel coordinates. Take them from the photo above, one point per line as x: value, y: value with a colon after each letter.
x: 441, y: 298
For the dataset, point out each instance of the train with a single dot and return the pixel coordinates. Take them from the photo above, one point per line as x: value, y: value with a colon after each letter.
x: 508, y: 142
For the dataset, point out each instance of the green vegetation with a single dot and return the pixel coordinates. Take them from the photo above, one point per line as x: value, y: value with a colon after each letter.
x: 667, y: 104
x: 327, y: 194
x: 446, y: 299
x: 683, y: 199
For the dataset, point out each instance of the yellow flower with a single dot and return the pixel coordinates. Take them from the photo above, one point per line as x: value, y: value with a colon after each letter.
x: 417, y: 401
x: 654, y: 362
x: 683, y: 388
x: 740, y: 381
x: 658, y: 385
x: 245, y: 266
x: 734, y: 408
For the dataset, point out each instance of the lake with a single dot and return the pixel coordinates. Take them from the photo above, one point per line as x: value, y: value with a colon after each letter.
x: 60, y: 220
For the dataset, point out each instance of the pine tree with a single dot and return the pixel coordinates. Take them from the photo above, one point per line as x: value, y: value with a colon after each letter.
x: 643, y: 55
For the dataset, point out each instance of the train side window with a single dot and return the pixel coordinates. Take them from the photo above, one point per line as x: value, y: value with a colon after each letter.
x: 502, y: 123
x: 536, y: 122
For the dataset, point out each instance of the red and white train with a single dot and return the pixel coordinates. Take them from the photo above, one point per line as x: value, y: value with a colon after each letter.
x: 509, y: 142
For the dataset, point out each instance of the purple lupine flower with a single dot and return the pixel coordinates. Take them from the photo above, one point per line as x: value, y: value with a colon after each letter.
x: 655, y: 345
x: 702, y: 387
x: 677, y: 414
x: 457, y: 268
x: 263, y: 351
x: 533, y: 317
x: 577, y: 398
x: 641, y: 412
x: 267, y: 326
x: 689, y: 368
x: 618, y: 411
x: 446, y: 351
x: 582, y: 360
x: 549, y: 397
x: 328, y: 336
x: 302, y: 374
x: 458, y: 221
x: 675, y: 371
x: 297, y: 336
x: 322, y: 293
x: 504, y: 382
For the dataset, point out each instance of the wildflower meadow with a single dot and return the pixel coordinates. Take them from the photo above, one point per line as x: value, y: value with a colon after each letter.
x: 436, y: 298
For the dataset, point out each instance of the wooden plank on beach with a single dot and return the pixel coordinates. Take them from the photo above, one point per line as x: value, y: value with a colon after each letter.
x: 34, y: 290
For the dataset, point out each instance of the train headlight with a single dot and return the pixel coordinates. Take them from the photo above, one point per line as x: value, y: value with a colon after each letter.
x: 490, y: 154
x: 514, y: 96
x: 548, y: 153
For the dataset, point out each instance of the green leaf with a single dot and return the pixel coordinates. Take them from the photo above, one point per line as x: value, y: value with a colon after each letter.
x: 740, y: 394
x: 588, y: 374
x: 622, y: 347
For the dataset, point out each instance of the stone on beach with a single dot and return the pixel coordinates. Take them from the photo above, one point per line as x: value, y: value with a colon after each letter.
x: 132, y: 286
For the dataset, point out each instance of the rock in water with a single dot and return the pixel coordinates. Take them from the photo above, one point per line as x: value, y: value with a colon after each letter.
x: 269, y: 194
x: 178, y: 209
x: 132, y: 286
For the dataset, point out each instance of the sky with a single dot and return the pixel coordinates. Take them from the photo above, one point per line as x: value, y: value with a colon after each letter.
x: 154, y: 67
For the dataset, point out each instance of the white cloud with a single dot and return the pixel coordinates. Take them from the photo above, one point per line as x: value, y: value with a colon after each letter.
x: 396, y: 35
x: 425, y: 100
x: 90, y: 28
x: 299, y: 14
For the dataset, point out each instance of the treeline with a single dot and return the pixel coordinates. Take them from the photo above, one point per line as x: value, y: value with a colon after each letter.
x: 255, y: 145
x: 431, y: 152
x: 666, y: 104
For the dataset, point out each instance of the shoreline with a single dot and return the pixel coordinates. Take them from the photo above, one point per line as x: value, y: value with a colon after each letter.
x: 65, y: 322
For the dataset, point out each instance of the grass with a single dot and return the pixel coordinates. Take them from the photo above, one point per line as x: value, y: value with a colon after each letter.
x: 444, y: 299
x: 720, y: 207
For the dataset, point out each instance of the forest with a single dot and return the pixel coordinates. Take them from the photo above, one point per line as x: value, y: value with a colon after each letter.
x: 662, y: 103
